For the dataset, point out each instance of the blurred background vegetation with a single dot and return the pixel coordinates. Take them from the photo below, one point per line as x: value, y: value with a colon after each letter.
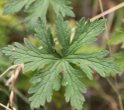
x: 102, y: 94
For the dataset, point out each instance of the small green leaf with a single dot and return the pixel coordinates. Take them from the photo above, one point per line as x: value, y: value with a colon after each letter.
x: 117, y: 37
x: 119, y: 59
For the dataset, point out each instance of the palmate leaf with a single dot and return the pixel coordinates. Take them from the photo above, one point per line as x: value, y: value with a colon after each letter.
x: 65, y: 67
x: 38, y: 8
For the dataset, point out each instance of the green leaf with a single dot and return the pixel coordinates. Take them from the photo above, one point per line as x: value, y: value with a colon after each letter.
x: 119, y: 59
x: 86, y: 33
x: 62, y: 7
x: 117, y: 37
x: 45, y: 37
x: 67, y: 64
x: 63, y: 32
x: 38, y: 8
x: 16, y: 5
x: 44, y: 84
x: 74, y: 87
x: 94, y: 61
x: 32, y: 57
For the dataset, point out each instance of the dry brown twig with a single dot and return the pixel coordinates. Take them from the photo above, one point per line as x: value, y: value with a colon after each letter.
x: 11, y: 83
x: 107, y: 97
x: 101, y: 15
x: 5, y: 106
x: 108, y: 11
x: 106, y: 26
x: 12, y: 67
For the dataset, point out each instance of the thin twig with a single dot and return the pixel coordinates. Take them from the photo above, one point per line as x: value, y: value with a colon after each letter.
x: 11, y: 67
x: 119, y: 96
x: 106, y: 28
x: 5, y: 106
x: 12, y: 81
x: 44, y: 107
x: 117, y: 92
x: 111, y: 84
x: 108, y: 98
x: 20, y: 95
x: 108, y: 11
x: 114, y: 87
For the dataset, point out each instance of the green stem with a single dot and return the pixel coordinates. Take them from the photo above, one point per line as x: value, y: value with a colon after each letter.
x: 114, y: 87
x: 45, y: 108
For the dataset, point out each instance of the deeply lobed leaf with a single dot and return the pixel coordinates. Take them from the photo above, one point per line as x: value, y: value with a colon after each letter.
x: 39, y: 8
x: 86, y: 33
x: 63, y: 32
x: 44, y: 84
x: 44, y: 35
x: 32, y: 57
x: 16, y: 5
x: 89, y: 62
x: 68, y: 65
x: 74, y: 87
